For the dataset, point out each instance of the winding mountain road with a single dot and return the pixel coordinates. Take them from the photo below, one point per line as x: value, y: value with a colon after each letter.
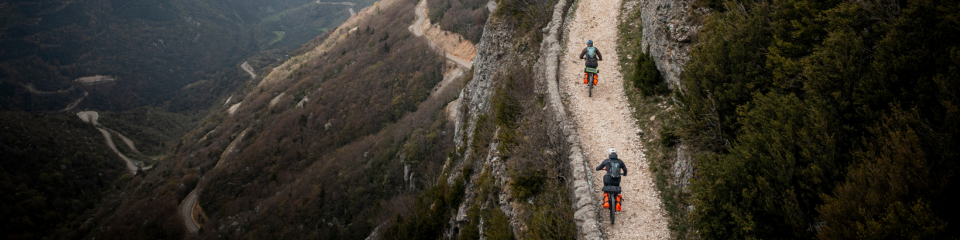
x: 92, y: 117
x: 417, y: 29
x: 605, y: 121
x: 186, y: 211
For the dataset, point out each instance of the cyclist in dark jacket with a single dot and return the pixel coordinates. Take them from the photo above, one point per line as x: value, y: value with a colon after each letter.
x: 591, y: 62
x: 613, y: 183
x: 607, y: 179
x: 592, y: 55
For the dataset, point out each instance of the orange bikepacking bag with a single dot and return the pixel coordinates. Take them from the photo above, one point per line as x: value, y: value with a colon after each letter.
x: 586, y: 75
x: 606, y: 201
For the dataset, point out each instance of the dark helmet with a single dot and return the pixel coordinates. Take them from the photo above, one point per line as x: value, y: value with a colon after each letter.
x: 589, y: 41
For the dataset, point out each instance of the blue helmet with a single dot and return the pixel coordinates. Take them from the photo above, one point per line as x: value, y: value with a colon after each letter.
x: 589, y: 41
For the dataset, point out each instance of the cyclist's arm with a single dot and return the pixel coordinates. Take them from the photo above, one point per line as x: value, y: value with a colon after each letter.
x: 599, y: 56
x: 584, y: 52
x: 624, y: 169
x: 603, y: 165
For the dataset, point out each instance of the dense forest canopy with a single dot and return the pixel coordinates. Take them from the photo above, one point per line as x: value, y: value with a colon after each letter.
x: 826, y: 119
x: 51, y: 187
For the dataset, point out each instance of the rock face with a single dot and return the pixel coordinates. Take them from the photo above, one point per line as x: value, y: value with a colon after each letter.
x: 475, y: 96
x: 474, y: 99
x: 669, y: 29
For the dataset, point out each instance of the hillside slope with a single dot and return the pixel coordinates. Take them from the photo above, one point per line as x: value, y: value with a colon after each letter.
x: 339, y: 139
x: 152, y: 48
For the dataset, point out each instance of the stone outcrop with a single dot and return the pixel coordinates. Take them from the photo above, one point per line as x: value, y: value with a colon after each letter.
x: 475, y: 96
x: 669, y: 28
x: 473, y: 100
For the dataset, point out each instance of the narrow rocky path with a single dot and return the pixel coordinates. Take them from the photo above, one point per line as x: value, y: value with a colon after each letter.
x: 605, y: 121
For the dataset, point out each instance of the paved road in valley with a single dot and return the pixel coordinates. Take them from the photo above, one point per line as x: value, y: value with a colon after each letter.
x: 186, y: 211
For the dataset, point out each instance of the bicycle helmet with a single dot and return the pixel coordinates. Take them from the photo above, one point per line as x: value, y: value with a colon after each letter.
x: 611, y: 151
x: 589, y: 41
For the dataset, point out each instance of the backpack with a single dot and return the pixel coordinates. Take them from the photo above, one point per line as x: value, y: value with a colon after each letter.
x: 591, y: 53
x: 614, y: 169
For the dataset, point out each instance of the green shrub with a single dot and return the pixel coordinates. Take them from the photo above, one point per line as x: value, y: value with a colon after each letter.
x: 668, y: 137
x: 471, y: 231
x: 551, y: 217
x: 825, y: 119
x: 496, y: 225
x: 647, y: 77
x: 526, y: 185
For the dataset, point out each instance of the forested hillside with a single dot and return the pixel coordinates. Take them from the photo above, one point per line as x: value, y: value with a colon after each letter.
x: 152, y: 48
x: 818, y: 119
x: 167, y: 63
x: 316, y: 153
x: 466, y: 18
x: 50, y: 188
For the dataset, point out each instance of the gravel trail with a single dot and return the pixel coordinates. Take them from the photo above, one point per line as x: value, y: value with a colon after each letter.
x: 604, y: 121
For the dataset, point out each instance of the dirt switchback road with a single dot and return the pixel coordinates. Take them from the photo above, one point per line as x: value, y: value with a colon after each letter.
x: 92, y: 117
x: 604, y: 121
x: 417, y: 29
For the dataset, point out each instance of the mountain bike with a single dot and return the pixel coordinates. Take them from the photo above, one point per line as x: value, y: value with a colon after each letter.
x: 590, y: 73
x: 612, y: 200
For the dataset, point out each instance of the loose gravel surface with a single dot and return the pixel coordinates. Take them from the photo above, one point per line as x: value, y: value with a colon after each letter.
x: 605, y: 121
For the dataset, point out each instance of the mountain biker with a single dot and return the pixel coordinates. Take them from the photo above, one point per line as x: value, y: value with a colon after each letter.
x: 612, y: 178
x: 592, y: 55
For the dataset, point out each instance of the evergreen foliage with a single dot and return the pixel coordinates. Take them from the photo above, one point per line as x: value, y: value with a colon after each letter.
x: 50, y: 187
x: 827, y: 119
x: 464, y: 17
x: 647, y: 77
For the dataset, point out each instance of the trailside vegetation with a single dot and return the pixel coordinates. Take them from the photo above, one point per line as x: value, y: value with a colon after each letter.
x: 824, y: 119
x: 464, y: 17
x: 656, y: 114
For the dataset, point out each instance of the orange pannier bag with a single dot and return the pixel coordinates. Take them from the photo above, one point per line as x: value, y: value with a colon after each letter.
x: 606, y: 201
